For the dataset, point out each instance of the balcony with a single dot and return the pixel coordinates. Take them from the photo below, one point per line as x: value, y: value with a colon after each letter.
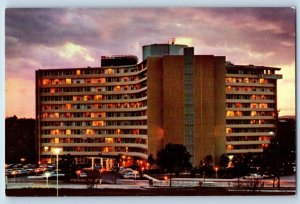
x: 250, y: 126
x: 245, y: 101
x: 142, y: 146
x: 251, y: 92
x: 129, y: 136
x: 129, y: 82
x: 128, y: 118
x: 110, y: 127
x: 94, y: 101
x: 270, y: 76
x: 248, y: 134
x: 250, y: 84
x: 246, y: 142
x: 236, y: 151
x: 250, y: 117
x: 74, y: 153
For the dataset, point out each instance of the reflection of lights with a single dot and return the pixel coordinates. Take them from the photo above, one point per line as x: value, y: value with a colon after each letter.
x: 23, y: 159
x: 166, y: 178
x: 57, y: 151
x: 47, y: 174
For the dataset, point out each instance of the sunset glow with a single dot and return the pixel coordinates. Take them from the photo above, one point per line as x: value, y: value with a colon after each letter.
x: 65, y: 38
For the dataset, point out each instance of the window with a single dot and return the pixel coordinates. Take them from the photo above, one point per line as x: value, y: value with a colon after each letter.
x: 56, y: 140
x: 263, y: 105
x: 229, y: 147
x: 68, y: 81
x: 228, y: 130
x: 45, y: 81
x: 78, y: 72
x: 253, y: 105
x: 229, y: 113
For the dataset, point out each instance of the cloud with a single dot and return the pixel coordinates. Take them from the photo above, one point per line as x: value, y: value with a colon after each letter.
x: 58, y: 38
x: 71, y: 50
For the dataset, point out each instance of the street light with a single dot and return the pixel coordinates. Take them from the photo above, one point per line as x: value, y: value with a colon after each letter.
x: 216, y: 169
x: 57, y: 151
x: 47, y: 174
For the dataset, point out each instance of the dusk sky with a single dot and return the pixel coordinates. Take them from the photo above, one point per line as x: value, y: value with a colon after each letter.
x: 57, y: 38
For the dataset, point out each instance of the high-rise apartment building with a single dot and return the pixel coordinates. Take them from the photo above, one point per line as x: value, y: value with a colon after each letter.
x: 129, y: 110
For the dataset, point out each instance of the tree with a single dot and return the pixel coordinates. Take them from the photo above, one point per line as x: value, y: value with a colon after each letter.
x: 272, y: 161
x: 224, y: 160
x: 20, y: 140
x: 150, y: 160
x: 240, y: 166
x: 174, y: 158
x: 207, y: 166
x: 67, y: 166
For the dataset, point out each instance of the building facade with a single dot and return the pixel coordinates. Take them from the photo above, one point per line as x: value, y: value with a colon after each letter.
x: 93, y: 112
x: 251, y: 107
x: 126, y: 110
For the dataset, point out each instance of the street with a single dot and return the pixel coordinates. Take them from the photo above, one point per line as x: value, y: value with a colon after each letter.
x: 24, y: 182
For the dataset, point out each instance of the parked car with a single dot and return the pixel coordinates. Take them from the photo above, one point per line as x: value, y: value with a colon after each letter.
x: 82, y: 175
x: 131, y: 175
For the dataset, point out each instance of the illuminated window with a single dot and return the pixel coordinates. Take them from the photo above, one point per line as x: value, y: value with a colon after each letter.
x: 52, y: 90
x: 228, y: 80
x: 56, y: 115
x: 54, y: 132
x: 239, y: 113
x: 78, y: 72
x: 253, y: 97
x: 253, y: 105
x: 68, y: 81
x: 230, y: 113
x: 253, y: 113
x: 126, y: 149
x: 98, y: 123
x: 118, y: 131
x: 262, y: 81
x: 89, y: 132
x: 238, y: 105
x: 45, y: 81
x: 229, y: 88
x: 246, y: 80
x: 98, y: 97
x: 117, y: 88
x: 68, y: 106
x: 46, y: 149
x: 228, y: 130
x: 109, y: 71
x: 229, y: 147
x: 109, y: 140
x: 56, y: 81
x: 56, y: 140
x: 68, y: 132
x: 263, y: 105
x: 45, y: 115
